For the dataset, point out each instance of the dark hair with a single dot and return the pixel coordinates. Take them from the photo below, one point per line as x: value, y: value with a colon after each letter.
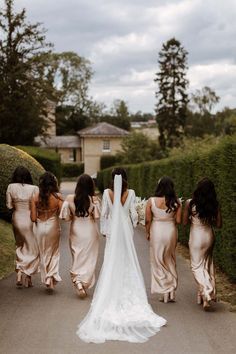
x: 205, y: 202
x: 21, y: 175
x: 84, y: 189
x: 47, y: 185
x: 120, y: 171
x: 165, y: 188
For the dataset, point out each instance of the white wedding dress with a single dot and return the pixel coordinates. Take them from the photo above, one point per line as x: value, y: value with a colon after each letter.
x: 120, y: 309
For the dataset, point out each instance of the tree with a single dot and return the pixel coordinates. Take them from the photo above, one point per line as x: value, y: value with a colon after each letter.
x: 171, y: 96
x: 23, y: 90
x: 69, y: 75
x: 200, y: 120
x: 204, y: 100
x: 118, y: 115
x: 137, y: 147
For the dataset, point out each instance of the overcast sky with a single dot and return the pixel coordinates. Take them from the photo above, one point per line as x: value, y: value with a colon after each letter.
x: 122, y: 39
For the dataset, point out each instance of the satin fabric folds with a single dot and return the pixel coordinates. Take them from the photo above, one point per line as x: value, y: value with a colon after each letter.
x: 48, y: 237
x: 163, y: 241
x: 18, y: 198
x: 201, y: 243
x: 120, y: 309
x: 83, y: 241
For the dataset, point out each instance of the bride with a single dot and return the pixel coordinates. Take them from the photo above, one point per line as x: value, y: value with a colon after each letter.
x: 119, y: 309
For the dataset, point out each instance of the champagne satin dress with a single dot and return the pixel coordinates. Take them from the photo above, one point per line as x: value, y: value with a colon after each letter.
x: 163, y: 241
x: 18, y: 197
x: 48, y: 236
x: 201, y: 243
x: 83, y: 241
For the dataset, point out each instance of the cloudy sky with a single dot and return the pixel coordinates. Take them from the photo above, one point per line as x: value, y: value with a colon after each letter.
x: 122, y: 39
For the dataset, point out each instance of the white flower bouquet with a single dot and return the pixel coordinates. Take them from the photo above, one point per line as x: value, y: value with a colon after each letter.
x: 140, y: 205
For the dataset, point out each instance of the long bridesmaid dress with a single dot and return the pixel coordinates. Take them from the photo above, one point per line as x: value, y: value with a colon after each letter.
x: 18, y: 197
x: 47, y: 231
x: 163, y: 241
x: 83, y: 241
x: 201, y: 243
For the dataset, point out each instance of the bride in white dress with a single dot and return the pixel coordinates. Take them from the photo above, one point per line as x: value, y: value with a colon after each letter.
x: 119, y: 309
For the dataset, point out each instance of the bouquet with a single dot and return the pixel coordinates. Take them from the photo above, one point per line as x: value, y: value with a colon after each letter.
x: 140, y: 205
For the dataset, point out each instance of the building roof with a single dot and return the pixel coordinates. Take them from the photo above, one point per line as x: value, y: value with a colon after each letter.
x: 103, y: 129
x: 59, y: 141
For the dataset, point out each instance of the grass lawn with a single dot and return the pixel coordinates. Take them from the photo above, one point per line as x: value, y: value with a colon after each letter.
x: 7, y: 249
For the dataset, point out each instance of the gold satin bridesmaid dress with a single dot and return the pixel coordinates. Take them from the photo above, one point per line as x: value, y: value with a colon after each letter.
x: 201, y: 243
x: 83, y: 241
x: 18, y: 198
x: 163, y: 241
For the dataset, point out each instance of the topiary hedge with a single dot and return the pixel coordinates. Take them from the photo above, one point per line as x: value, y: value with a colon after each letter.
x: 10, y: 158
x: 108, y: 161
x: 72, y: 169
x: 50, y: 160
x: 217, y: 163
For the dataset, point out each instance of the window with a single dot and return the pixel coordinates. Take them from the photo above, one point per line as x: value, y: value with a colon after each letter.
x: 106, y: 145
x: 72, y: 155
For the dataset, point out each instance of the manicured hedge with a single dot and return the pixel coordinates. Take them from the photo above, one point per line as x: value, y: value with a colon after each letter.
x: 72, y: 169
x: 49, y: 159
x: 217, y: 163
x: 108, y: 161
x: 10, y: 158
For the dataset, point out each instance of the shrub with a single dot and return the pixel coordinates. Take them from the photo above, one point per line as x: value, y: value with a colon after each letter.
x: 216, y: 162
x: 10, y: 158
x: 108, y: 161
x: 72, y: 169
x: 49, y: 159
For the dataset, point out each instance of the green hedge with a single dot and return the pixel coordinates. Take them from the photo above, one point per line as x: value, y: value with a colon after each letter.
x: 10, y: 158
x: 108, y: 161
x: 49, y: 159
x: 218, y: 163
x: 72, y: 169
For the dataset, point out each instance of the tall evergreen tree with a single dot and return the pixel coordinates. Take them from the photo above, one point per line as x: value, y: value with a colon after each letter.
x: 23, y: 89
x: 171, y: 96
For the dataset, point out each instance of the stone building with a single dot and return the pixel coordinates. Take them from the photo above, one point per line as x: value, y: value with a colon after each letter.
x: 98, y: 140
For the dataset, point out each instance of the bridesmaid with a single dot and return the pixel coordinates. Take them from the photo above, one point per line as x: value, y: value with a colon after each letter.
x: 163, y: 212
x: 203, y: 212
x: 45, y: 208
x: 18, y: 198
x: 83, y: 209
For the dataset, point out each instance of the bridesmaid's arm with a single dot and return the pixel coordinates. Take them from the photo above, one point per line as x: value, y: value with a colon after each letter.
x: 9, y: 201
x: 33, y: 208
x: 178, y: 215
x: 60, y: 201
x: 219, y: 220
x: 186, y: 213
x: 148, y: 218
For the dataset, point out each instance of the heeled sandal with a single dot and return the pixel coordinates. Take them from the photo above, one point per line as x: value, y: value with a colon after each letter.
x: 19, y: 282
x: 172, y: 296
x: 28, y: 281
x: 199, y: 298
x: 50, y: 285
x: 80, y: 290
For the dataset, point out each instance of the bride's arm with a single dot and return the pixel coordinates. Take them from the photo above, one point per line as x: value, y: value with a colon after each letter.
x: 133, y: 211
x: 104, y: 215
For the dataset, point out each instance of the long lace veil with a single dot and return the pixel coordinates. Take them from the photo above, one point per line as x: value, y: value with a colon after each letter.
x: 120, y: 309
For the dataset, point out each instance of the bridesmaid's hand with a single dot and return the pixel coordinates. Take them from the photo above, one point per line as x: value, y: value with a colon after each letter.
x: 148, y: 237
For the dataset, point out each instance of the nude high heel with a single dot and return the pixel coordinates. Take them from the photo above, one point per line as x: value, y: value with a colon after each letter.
x: 172, y: 296
x: 80, y: 290
x: 50, y: 285
x: 199, y: 298
x: 166, y: 298
x: 28, y: 282
x: 19, y: 279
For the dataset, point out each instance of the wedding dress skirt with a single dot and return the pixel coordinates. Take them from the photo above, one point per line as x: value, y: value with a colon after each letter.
x: 120, y: 309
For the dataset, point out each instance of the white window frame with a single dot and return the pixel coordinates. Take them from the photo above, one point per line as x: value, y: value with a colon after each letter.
x: 106, y: 145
